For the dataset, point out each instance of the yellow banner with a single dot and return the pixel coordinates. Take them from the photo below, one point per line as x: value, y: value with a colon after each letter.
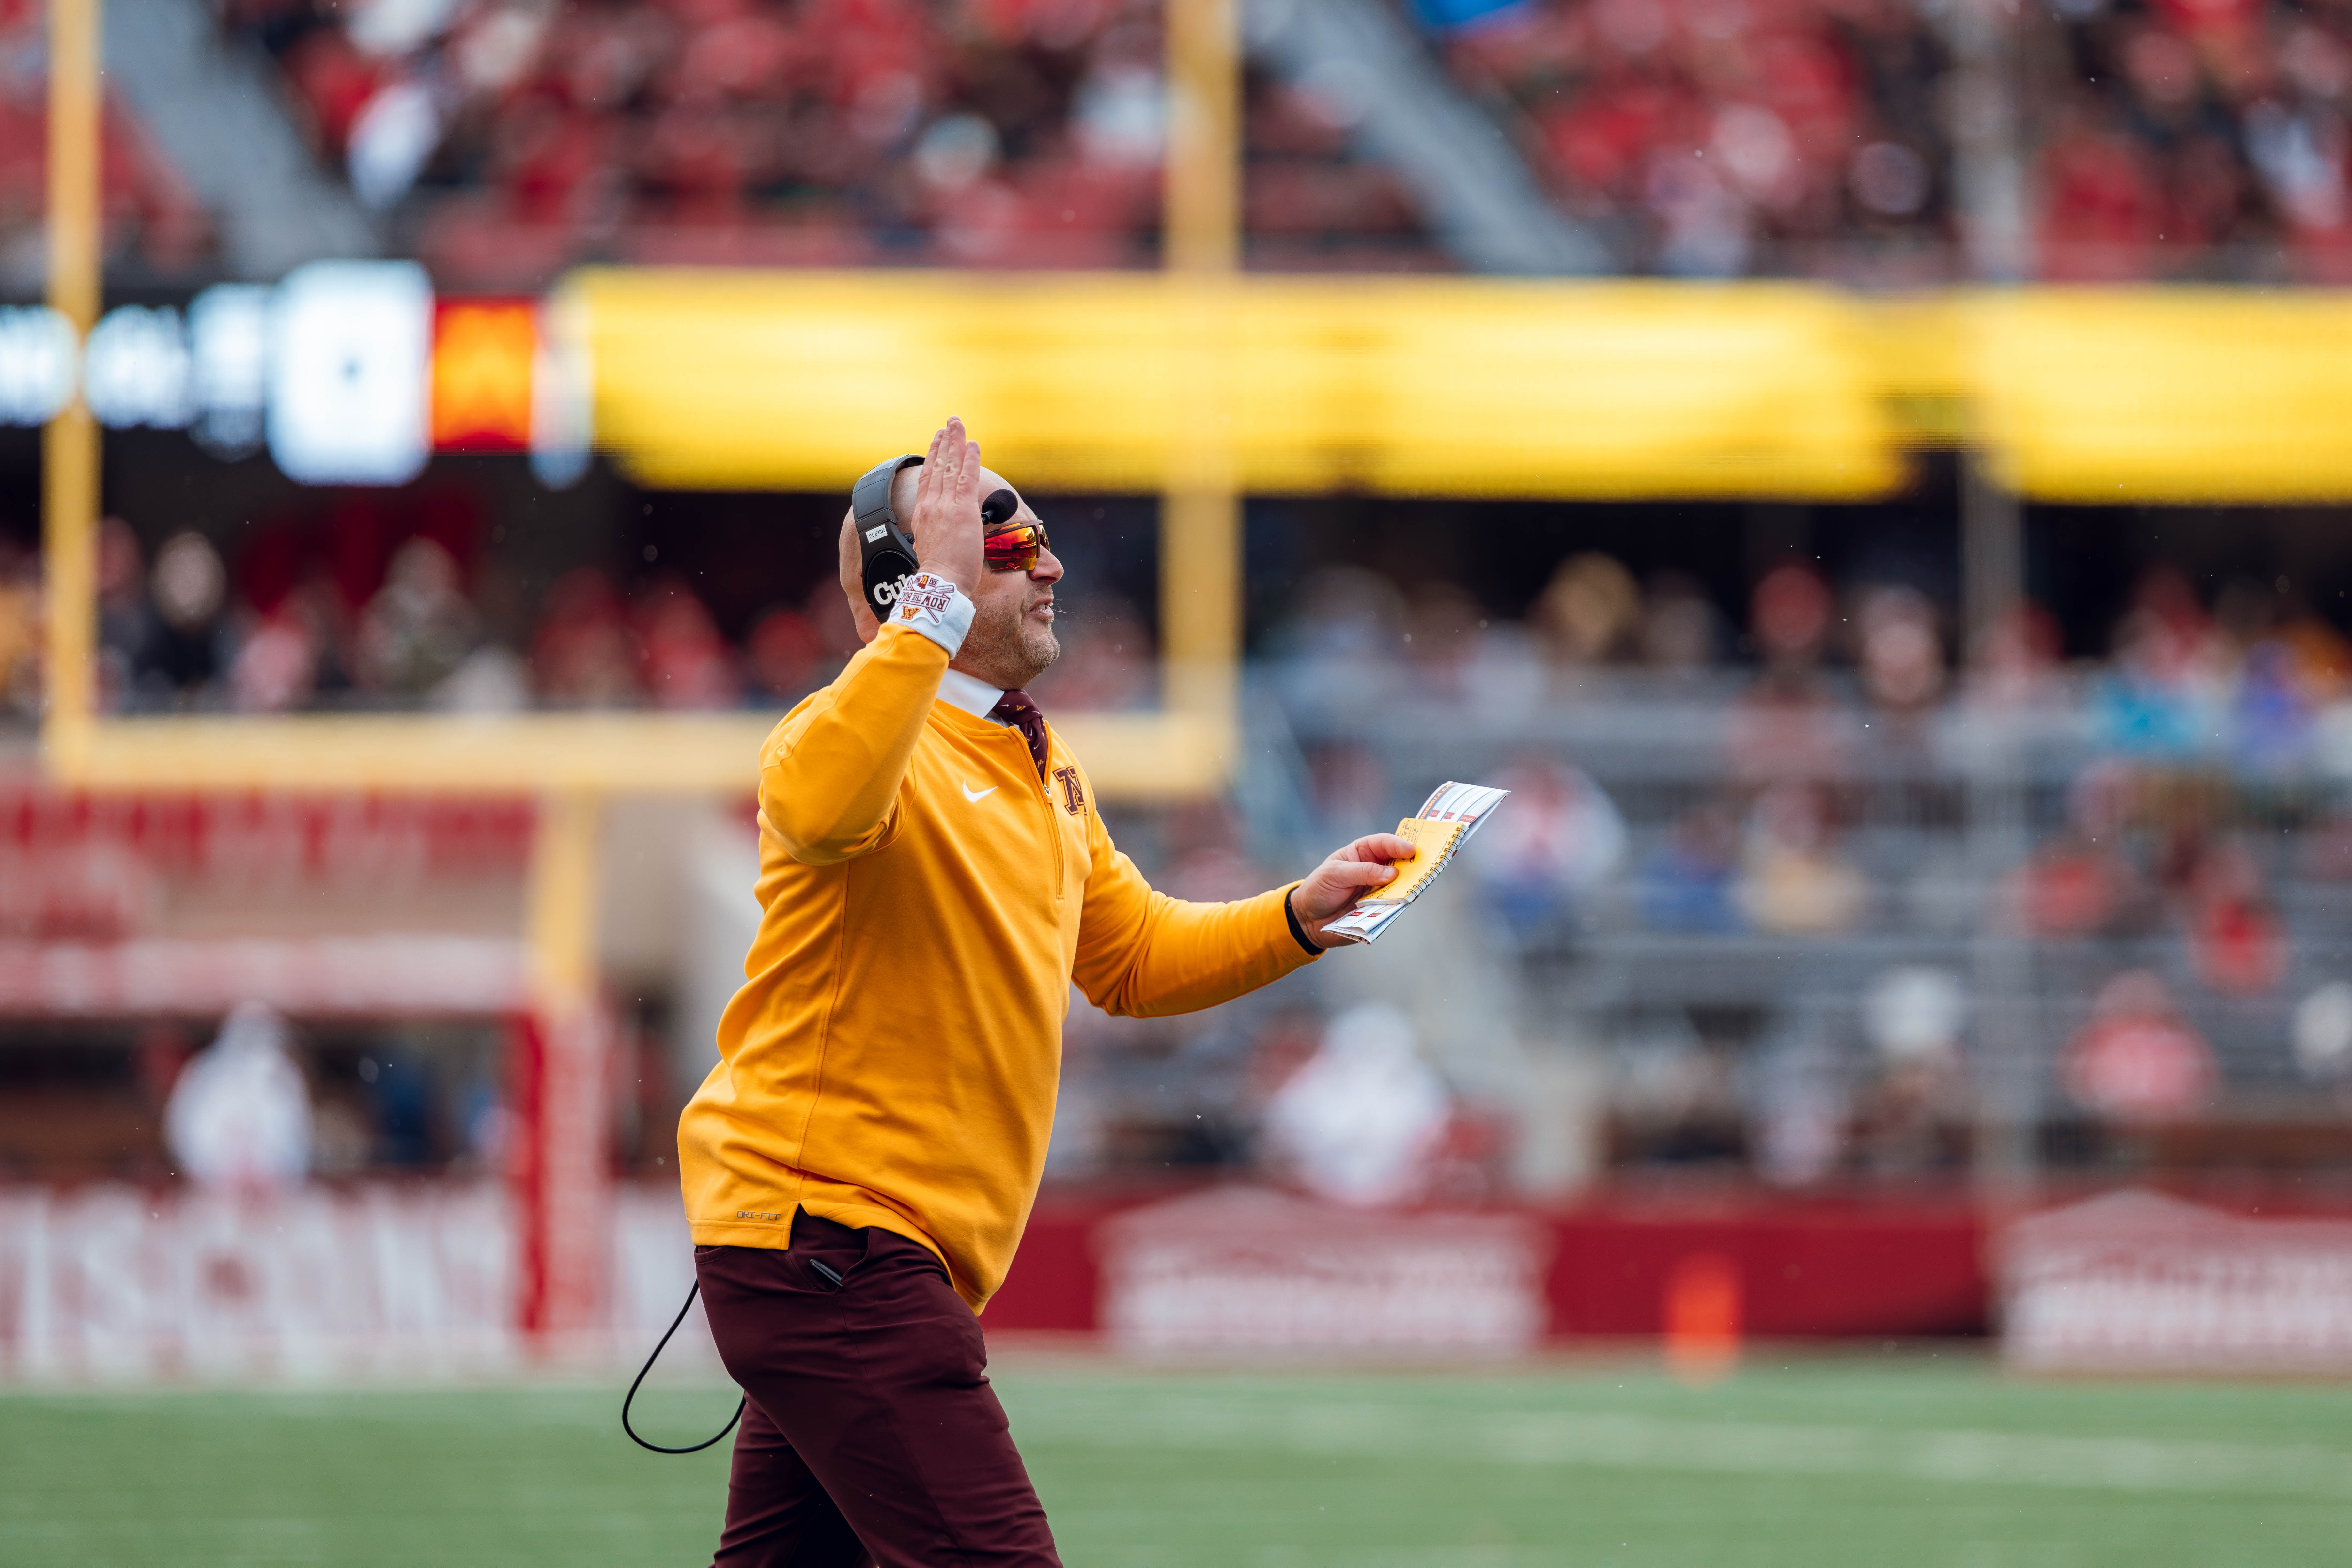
x: 2164, y: 395
x: 1136, y: 381
x: 1469, y: 386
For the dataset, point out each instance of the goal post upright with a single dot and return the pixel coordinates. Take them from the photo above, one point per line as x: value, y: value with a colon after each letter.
x: 69, y: 443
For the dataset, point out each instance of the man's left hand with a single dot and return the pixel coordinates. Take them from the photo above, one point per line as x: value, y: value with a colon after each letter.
x: 1353, y: 870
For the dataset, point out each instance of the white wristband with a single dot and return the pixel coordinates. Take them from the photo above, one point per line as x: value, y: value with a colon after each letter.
x: 935, y: 607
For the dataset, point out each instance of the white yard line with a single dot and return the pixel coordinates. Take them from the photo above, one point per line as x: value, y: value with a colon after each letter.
x: 1955, y: 1455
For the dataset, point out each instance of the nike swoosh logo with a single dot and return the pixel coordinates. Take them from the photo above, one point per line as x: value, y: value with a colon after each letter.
x: 983, y: 795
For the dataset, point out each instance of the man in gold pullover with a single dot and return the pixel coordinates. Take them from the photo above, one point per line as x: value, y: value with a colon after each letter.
x: 859, y: 1167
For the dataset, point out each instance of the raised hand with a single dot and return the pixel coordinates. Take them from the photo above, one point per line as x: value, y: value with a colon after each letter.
x: 945, y: 524
x: 1332, y: 888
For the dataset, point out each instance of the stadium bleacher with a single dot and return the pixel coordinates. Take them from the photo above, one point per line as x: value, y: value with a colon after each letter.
x: 1802, y: 138
x: 1723, y: 139
x: 155, y: 227
x: 867, y: 133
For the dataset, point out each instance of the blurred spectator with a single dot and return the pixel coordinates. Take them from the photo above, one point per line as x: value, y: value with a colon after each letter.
x: 2074, y: 887
x: 1681, y: 632
x: 490, y: 679
x: 1786, y: 726
x: 785, y: 658
x: 20, y: 630
x: 2270, y: 719
x: 2103, y: 201
x: 1684, y: 883
x: 418, y: 627
x: 2236, y: 942
x: 686, y: 664
x: 1792, y: 882
x: 583, y: 652
x: 1909, y: 1119
x: 397, y: 1086
x: 1902, y: 656
x: 276, y: 667
x: 2322, y: 1033
x: 1589, y: 613
x: 2081, y: 882
x: 2015, y: 663
x: 790, y: 653
x: 2166, y: 682
x: 1676, y: 1099
x: 1790, y: 611
x: 1558, y: 841
x: 182, y: 655
x: 2319, y: 657
x: 2135, y: 1060
x: 1801, y: 1106
x: 239, y: 1115
x: 1914, y: 1012
x: 1362, y: 1121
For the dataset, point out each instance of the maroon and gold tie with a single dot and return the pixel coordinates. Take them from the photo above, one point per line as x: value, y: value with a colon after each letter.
x: 1016, y: 709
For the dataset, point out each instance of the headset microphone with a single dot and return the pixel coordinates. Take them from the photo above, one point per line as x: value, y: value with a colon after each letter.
x: 884, y: 551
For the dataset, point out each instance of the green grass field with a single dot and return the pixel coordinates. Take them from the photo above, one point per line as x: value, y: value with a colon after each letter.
x: 1912, y: 1462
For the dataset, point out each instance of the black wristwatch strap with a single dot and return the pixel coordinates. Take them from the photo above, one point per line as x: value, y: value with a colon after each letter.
x: 1297, y: 931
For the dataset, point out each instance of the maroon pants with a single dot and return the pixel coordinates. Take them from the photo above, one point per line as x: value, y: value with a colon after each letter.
x: 870, y: 1434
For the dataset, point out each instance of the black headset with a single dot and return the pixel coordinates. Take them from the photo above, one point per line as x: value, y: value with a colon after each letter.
x: 884, y: 551
x: 886, y: 554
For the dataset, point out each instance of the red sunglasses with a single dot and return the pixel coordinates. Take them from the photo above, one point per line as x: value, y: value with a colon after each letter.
x: 1008, y: 546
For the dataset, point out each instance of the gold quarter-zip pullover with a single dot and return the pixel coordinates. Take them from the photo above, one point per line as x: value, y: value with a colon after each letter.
x: 927, y: 901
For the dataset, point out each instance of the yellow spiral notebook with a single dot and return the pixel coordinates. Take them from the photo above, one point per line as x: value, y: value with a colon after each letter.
x: 1434, y: 842
x: 1443, y: 825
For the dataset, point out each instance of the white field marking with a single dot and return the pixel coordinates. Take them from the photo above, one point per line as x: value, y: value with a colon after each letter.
x: 1728, y: 1447
x: 365, y: 1403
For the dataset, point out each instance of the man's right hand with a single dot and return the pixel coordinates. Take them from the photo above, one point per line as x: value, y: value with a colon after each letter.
x: 1352, y: 871
x: 945, y: 524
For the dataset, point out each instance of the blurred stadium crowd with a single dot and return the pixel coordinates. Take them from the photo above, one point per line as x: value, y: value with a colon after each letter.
x: 1801, y: 138
x: 385, y: 618
x: 1751, y: 877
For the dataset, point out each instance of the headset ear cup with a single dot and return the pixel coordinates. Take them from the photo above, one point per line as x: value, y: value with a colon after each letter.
x: 885, y: 568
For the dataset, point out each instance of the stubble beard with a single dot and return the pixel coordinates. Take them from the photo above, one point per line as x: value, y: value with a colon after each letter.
x: 1010, y: 645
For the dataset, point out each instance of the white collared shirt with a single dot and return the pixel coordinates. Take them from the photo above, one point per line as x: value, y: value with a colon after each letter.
x: 973, y: 695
